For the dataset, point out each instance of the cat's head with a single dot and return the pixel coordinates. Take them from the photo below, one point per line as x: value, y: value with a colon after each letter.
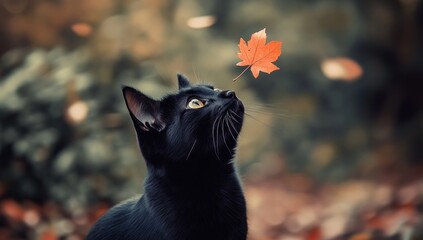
x: 197, y: 122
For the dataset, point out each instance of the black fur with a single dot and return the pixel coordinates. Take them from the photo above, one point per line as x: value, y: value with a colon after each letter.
x: 192, y: 190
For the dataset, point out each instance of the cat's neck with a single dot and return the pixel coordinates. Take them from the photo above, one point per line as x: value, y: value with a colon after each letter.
x: 202, y: 170
x: 182, y: 181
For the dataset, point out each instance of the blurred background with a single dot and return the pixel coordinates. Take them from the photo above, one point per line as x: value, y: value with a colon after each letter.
x: 331, y: 147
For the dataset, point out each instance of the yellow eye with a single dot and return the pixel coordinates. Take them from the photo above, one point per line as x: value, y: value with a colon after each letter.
x: 195, y: 103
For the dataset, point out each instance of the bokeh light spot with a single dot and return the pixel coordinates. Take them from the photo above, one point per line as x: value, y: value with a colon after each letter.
x: 77, y: 112
x: 82, y: 29
x: 341, y: 68
x: 202, y: 21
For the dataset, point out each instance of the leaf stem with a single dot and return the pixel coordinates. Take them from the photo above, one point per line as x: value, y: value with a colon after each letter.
x: 241, y: 73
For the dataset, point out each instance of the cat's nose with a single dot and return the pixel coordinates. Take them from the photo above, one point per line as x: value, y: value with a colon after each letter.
x: 227, y: 94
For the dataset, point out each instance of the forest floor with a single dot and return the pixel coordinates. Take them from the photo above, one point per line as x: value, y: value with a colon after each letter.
x: 280, y: 208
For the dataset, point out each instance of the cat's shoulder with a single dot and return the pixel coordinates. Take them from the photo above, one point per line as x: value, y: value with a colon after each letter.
x: 112, y: 223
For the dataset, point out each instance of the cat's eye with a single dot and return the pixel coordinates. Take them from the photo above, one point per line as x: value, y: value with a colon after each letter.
x: 195, y: 103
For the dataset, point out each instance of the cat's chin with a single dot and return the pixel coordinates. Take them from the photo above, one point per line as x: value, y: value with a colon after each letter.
x: 235, y: 106
x: 238, y: 107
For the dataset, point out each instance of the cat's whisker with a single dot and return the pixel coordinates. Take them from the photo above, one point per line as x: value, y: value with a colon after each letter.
x: 217, y: 134
x: 276, y: 115
x: 223, y: 133
x: 234, y: 116
x: 192, y: 148
x: 234, y: 119
x: 227, y: 120
x: 265, y: 124
x: 214, y: 139
x: 269, y: 108
x: 235, y: 113
x: 266, y: 106
x: 229, y: 128
x: 264, y: 109
x: 197, y: 79
x: 233, y: 126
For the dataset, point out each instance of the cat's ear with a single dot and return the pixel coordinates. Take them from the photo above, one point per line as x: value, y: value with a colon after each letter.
x: 182, y: 81
x: 144, y: 110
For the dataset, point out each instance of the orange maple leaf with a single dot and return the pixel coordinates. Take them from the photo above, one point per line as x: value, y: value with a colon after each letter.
x: 258, y: 55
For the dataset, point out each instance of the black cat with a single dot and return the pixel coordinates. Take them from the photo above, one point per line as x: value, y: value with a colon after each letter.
x: 192, y: 190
